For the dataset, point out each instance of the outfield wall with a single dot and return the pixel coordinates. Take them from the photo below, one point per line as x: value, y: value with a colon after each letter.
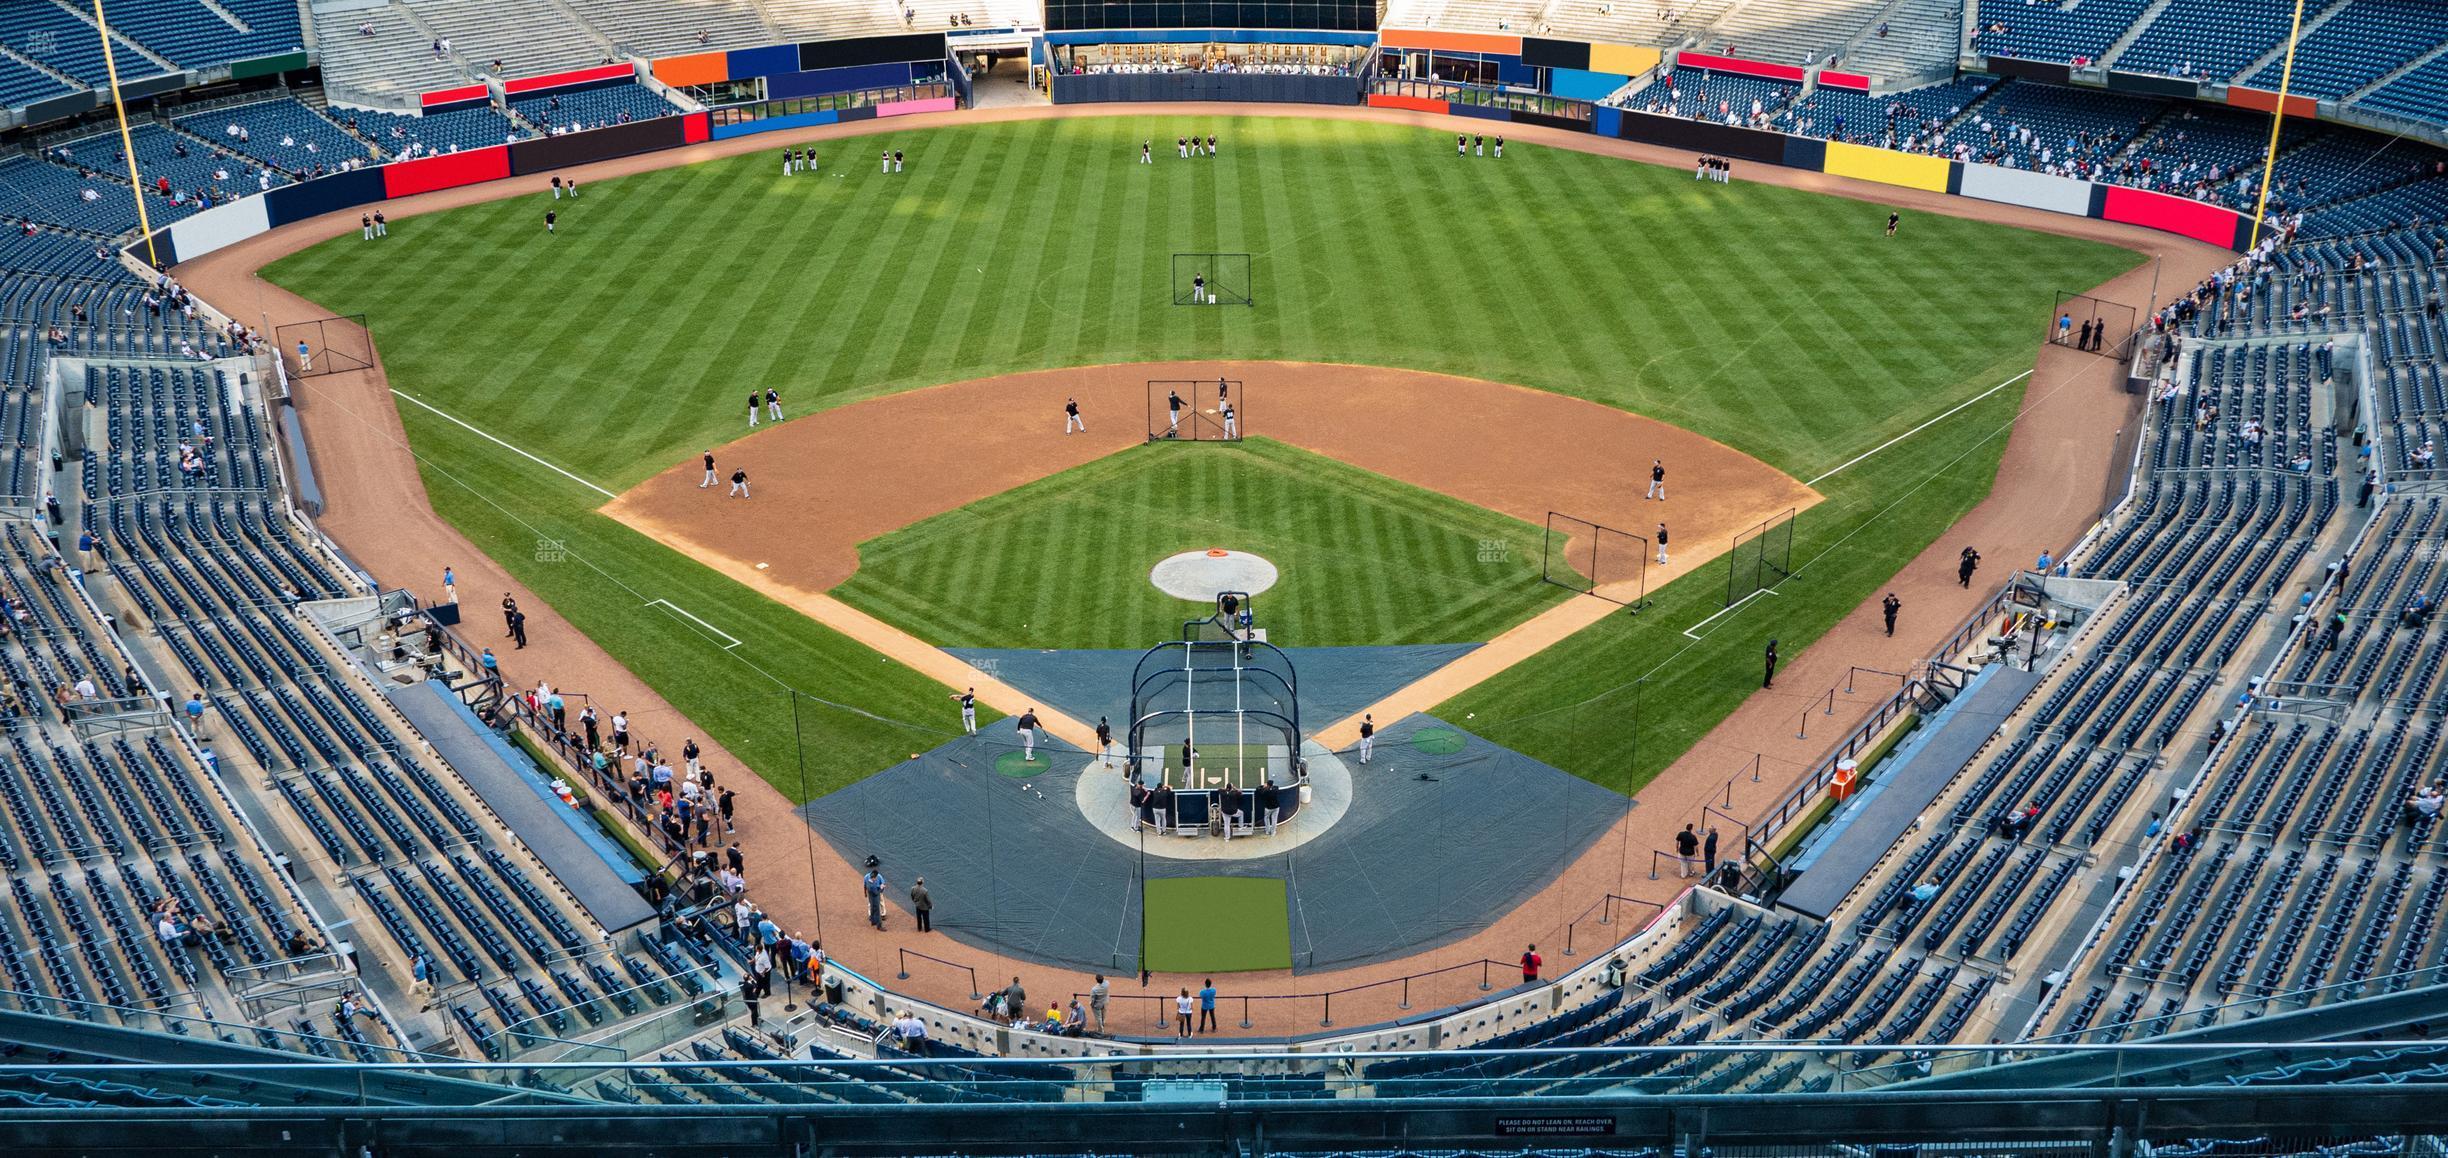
x: 229, y: 224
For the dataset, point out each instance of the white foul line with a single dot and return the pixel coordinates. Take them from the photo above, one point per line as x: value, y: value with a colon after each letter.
x: 1736, y: 606
x: 515, y: 450
x: 1918, y: 429
x: 676, y: 609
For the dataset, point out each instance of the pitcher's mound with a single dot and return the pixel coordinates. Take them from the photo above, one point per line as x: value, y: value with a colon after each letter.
x: 1200, y: 576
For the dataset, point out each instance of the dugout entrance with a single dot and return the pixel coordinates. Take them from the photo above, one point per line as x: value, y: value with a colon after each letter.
x: 1197, y: 409
x: 332, y: 345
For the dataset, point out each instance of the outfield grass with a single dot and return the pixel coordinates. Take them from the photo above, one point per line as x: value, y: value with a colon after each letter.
x: 1777, y: 321
x: 1063, y: 562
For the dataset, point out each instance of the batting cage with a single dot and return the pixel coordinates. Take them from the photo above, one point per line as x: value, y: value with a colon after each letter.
x: 2109, y: 325
x: 1595, y: 559
x: 1213, y: 279
x: 1197, y: 410
x: 325, y: 345
x: 1762, y: 557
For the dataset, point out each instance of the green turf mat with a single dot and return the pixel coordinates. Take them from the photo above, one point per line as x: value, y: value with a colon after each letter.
x: 1217, y: 925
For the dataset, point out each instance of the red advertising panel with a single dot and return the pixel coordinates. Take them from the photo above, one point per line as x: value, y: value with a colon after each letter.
x: 1852, y: 80
x: 1387, y: 100
x: 1739, y: 66
x: 445, y: 171
x: 696, y: 127
x: 2176, y: 215
x: 601, y: 72
x: 452, y: 96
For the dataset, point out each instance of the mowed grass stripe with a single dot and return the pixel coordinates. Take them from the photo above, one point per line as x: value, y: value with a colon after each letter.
x: 1064, y: 562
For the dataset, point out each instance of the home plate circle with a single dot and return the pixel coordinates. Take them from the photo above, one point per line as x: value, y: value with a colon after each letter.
x: 1200, y: 576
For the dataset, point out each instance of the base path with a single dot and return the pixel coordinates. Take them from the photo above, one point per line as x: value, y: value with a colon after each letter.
x: 830, y: 481
x: 377, y: 511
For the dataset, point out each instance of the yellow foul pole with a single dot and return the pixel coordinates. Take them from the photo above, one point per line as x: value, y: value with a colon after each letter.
x: 2269, y: 161
x: 127, y: 142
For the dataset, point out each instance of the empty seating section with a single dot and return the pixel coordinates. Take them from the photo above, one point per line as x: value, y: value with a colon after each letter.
x: 194, y: 34
x: 2079, y: 31
x: 20, y: 85
x: 592, y: 108
x: 2207, y: 39
x: 283, y: 134
x: 1911, y: 38
x: 2420, y: 94
x: 512, y: 38
x: 382, y: 52
x: 1661, y: 25
x: 2358, y: 45
x: 670, y: 29
x: 59, y: 39
x: 197, y: 173
x: 835, y: 19
x: 400, y: 134
x: 1904, y: 120
x: 1790, y: 31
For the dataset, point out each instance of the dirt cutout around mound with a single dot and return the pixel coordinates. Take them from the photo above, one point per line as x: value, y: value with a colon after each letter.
x: 2055, y: 465
x: 827, y: 482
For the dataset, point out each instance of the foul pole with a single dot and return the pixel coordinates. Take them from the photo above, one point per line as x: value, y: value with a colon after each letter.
x: 2269, y: 159
x: 127, y: 142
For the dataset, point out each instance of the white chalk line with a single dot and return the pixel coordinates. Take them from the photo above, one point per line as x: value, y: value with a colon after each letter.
x: 676, y: 609
x: 1729, y: 610
x: 1918, y: 429
x: 454, y: 419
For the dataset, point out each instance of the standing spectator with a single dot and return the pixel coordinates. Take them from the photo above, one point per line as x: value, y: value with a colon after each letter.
x: 1207, y: 1000
x: 1097, y: 995
x: 1530, y: 963
x: 1687, y: 844
x: 1965, y: 565
x: 1708, y: 852
x: 873, y: 882
x: 194, y: 707
x: 1182, y: 1009
x: 1888, y: 608
x: 923, y: 905
x: 749, y: 996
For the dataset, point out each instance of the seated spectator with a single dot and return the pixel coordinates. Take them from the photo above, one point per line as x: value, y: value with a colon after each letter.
x: 1921, y: 894
x: 1075, y: 1020
x: 2423, y: 807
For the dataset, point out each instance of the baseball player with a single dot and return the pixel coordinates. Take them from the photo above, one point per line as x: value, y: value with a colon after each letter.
x: 1223, y: 391
x: 739, y: 486
x: 709, y: 478
x: 1368, y: 736
x: 1500, y: 148
x: 752, y: 409
x: 1892, y: 220
x: 968, y: 707
x: 1479, y: 146
x: 1072, y: 423
x: 1198, y: 288
x: 787, y: 162
x: 365, y: 226
x: 1027, y: 726
x: 556, y: 187
x: 1147, y: 152
x: 1461, y: 145
x: 1181, y: 147
x: 572, y: 186
x: 1104, y: 742
x: 1173, y: 404
x: 1657, y: 479
x: 1661, y: 544
x: 887, y: 161
x: 382, y: 225
x: 773, y: 404
x: 1232, y: 427
x: 1211, y: 144
x: 896, y: 160
x: 549, y: 218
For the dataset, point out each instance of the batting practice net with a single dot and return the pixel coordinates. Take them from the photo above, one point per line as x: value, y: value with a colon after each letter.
x: 1210, y: 410
x: 331, y: 345
x: 1213, y: 279
x: 1762, y: 558
x: 2112, y: 324
x: 1595, y: 559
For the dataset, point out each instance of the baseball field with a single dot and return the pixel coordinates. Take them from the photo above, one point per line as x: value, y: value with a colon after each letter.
x: 546, y: 376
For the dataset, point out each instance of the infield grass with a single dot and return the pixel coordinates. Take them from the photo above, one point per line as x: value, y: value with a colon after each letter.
x: 1217, y: 925
x: 1777, y: 321
x: 1063, y: 561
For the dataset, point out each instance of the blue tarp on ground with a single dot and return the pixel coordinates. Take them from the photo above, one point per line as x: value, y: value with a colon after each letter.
x: 594, y: 868
x: 1335, y: 682
x: 1436, y: 845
